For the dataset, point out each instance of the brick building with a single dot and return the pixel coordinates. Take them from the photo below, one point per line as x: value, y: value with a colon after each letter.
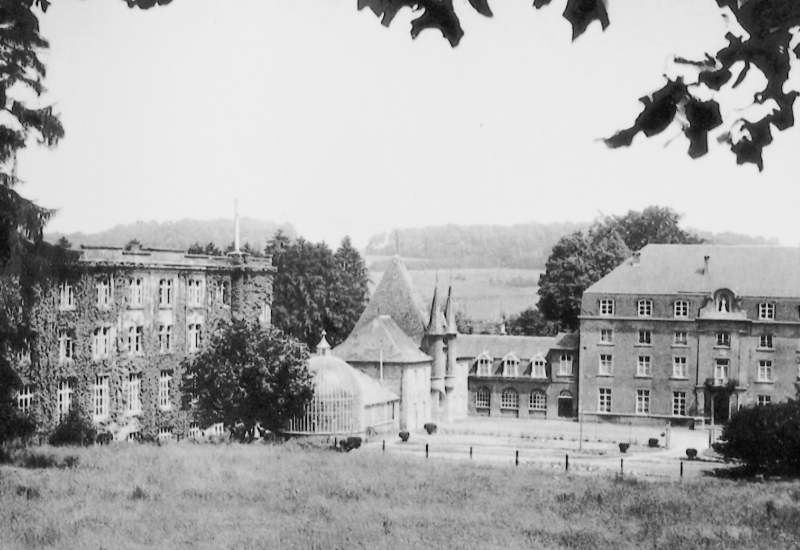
x: 681, y: 332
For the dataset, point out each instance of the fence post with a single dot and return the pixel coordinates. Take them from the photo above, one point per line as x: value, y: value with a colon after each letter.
x: 621, y: 471
x: 384, y: 446
x: 681, y: 468
x: 567, y: 468
x: 470, y: 452
x: 516, y: 459
x: 426, y: 450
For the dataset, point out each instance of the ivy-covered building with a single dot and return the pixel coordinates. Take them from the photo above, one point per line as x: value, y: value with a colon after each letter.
x: 110, y: 335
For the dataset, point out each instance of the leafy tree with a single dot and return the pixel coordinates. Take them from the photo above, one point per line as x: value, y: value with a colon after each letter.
x: 133, y: 243
x: 75, y: 429
x: 195, y: 248
x: 248, y: 375
x: 766, y: 439
x: 351, y: 292
x: 63, y: 242
x: 531, y: 322
x: 13, y: 424
x: 212, y: 250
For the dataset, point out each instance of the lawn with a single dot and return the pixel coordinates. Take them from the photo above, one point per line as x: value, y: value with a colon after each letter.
x: 271, y: 496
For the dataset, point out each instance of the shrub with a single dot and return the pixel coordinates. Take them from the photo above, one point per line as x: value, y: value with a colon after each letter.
x: 30, y: 493
x: 765, y: 439
x: 138, y: 494
x: 404, y: 436
x: 691, y: 453
x: 430, y: 427
x: 75, y: 429
x: 350, y: 443
x: 623, y: 447
x: 653, y: 442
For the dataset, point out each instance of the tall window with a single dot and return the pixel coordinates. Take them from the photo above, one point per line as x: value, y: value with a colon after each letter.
x: 509, y: 399
x: 538, y: 370
x: 679, y: 367
x: 645, y: 308
x: 25, y: 398
x: 643, y: 366
x: 164, y: 434
x: 134, y: 393
x: 104, y: 293
x: 510, y: 366
x: 642, y: 401
x: 483, y: 398
x: 194, y: 430
x: 194, y: 336
x: 222, y: 292
x: 163, y: 390
x: 681, y: 338
x: 645, y: 337
x: 136, y: 297
x: 66, y: 346
x: 606, y: 365
x: 195, y: 291
x: 764, y: 400
x: 66, y: 296
x: 721, y: 370
x: 606, y: 307
x: 765, y: 341
x: 724, y: 339
x: 484, y: 366
x: 606, y: 336
x: 100, y: 397
x: 681, y: 309
x: 165, y: 338
x: 765, y: 371
x: 538, y: 401
x: 766, y: 310
x: 265, y: 317
x: 65, y: 391
x: 101, y: 342
x: 604, y: 400
x: 565, y: 364
x: 165, y: 291
x: 135, y: 340
x: 679, y: 403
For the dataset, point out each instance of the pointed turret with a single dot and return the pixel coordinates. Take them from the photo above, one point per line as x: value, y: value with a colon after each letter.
x: 323, y: 348
x: 435, y: 323
x: 449, y: 314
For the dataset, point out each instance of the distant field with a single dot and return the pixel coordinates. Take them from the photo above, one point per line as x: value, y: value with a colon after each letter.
x: 259, y: 496
x: 483, y: 294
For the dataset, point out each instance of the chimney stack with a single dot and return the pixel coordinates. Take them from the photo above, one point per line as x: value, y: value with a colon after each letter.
x: 635, y: 259
x: 705, y: 265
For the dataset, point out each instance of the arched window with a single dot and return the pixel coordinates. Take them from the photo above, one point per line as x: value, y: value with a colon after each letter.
x: 538, y: 401
x: 484, y: 363
x: 510, y: 365
x: 538, y: 369
x: 483, y: 398
x: 509, y: 399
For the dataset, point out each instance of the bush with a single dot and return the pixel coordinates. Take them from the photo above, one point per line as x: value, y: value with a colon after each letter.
x: 765, y: 439
x: 691, y: 453
x: 75, y: 429
x: 430, y: 427
x: 404, y: 436
x: 350, y: 443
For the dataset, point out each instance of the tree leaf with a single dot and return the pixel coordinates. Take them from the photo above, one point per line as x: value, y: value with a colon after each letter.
x: 581, y: 14
x: 482, y: 7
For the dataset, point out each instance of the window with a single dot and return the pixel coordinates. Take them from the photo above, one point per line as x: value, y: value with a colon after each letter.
x: 163, y: 390
x: 606, y: 336
x: 681, y: 338
x: 483, y: 398
x: 764, y: 400
x: 24, y: 356
x: 538, y: 369
x: 538, y: 401
x: 766, y: 310
x: 136, y: 287
x: 165, y: 338
x: 165, y: 293
x: 66, y: 346
x: 509, y: 399
x: 66, y: 296
x: 510, y: 366
x: 645, y: 308
x: 724, y: 339
x: 195, y: 291
x: 679, y: 403
x: 265, y: 317
x: 643, y: 366
x: 101, y: 342
x: 642, y: 401
x: 134, y: 393
x: 194, y: 336
x: 25, y: 399
x: 645, y: 337
x: 565, y: 364
x: 604, y: 401
x: 679, y: 367
x: 606, y: 365
x: 194, y: 430
x: 104, y: 293
x: 765, y: 341
x: 606, y: 307
x: 681, y: 309
x: 100, y: 397
x: 164, y: 434
x: 765, y: 371
x: 484, y: 366
x: 135, y: 340
x: 222, y: 292
x: 721, y: 371
x: 64, y: 394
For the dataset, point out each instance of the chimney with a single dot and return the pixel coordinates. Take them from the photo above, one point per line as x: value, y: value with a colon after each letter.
x: 635, y: 259
x: 705, y: 264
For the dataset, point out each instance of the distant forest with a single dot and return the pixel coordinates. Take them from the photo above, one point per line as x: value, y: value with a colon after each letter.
x: 524, y: 246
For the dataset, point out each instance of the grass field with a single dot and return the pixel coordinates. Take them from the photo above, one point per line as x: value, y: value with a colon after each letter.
x: 262, y: 496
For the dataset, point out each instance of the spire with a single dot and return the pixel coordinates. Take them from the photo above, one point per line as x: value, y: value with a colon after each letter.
x: 434, y: 325
x: 449, y: 313
x: 236, y: 225
x: 323, y: 348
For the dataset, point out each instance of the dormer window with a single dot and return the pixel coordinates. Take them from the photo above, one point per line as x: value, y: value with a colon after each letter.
x: 510, y: 365
x: 538, y: 370
x: 681, y: 309
x: 723, y: 302
x: 484, y: 363
x: 645, y: 308
x: 766, y: 311
x: 607, y: 307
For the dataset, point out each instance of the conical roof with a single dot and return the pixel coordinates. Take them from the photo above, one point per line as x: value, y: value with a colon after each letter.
x: 397, y: 297
x: 449, y: 314
x: 435, y: 323
x: 380, y: 340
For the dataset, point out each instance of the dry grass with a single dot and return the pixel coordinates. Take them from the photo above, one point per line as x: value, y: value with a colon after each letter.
x: 232, y: 496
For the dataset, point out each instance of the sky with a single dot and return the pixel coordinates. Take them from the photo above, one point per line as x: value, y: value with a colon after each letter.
x: 313, y: 113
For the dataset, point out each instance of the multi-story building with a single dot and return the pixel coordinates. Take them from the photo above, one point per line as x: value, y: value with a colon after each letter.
x: 691, y: 332
x: 112, y: 334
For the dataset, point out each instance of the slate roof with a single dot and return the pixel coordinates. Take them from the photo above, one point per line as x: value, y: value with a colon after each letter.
x: 372, y: 391
x: 397, y: 297
x: 381, y: 334
x: 567, y: 341
x: 672, y: 269
x: 499, y: 345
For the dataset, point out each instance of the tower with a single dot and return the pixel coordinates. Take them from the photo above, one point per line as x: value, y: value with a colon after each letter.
x: 433, y: 345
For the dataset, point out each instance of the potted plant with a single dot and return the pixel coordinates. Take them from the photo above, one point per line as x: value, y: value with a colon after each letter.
x: 404, y: 436
x: 653, y: 442
x: 623, y: 447
x: 430, y: 427
x: 691, y: 453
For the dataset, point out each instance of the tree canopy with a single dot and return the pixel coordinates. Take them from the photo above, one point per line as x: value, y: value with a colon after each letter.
x: 583, y: 258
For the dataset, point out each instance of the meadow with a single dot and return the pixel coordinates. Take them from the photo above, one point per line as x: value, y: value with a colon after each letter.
x: 290, y: 497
